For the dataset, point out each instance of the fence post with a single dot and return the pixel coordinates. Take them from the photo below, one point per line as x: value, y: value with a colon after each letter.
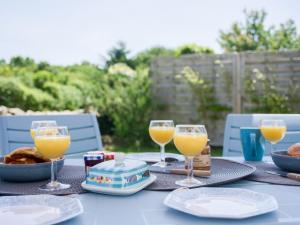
x: 242, y: 76
x: 236, y: 78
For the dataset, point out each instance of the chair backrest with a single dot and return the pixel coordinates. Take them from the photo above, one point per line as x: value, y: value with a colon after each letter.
x: 232, y: 144
x: 84, y: 131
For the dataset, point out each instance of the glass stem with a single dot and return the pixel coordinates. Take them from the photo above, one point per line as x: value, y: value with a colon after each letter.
x: 52, y: 172
x: 271, y: 151
x: 55, y: 170
x: 162, y: 154
x: 190, y: 168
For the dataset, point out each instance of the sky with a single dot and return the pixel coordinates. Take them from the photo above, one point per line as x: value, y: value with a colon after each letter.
x: 70, y: 31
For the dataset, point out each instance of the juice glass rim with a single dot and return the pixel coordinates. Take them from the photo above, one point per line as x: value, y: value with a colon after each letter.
x: 161, y: 121
x: 278, y: 123
x: 55, y: 127
x: 190, y: 125
x: 271, y: 120
x: 43, y: 121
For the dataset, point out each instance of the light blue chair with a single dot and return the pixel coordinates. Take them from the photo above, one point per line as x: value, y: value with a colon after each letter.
x: 232, y: 144
x: 84, y: 131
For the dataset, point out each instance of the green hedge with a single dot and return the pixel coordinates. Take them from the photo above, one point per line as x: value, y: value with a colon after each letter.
x: 67, y: 97
x: 124, y: 101
x: 13, y: 93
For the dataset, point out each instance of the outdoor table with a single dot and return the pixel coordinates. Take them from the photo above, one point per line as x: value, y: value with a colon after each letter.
x: 147, y: 208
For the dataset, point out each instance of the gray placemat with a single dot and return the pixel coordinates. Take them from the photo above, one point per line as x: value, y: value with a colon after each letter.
x: 223, y: 171
x: 261, y: 176
x: 73, y: 175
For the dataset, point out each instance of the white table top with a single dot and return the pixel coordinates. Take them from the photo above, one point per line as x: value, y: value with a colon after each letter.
x: 146, y: 207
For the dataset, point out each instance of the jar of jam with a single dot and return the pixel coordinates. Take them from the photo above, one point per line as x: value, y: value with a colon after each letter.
x: 202, y: 161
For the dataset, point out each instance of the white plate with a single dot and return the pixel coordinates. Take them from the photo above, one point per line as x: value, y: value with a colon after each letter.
x: 38, y: 209
x: 153, y: 157
x: 230, y: 203
x: 119, y: 191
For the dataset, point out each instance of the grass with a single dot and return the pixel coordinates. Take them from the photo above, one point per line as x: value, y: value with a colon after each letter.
x: 215, y: 151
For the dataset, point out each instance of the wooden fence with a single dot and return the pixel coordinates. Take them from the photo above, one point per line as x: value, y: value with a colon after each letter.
x: 227, y: 73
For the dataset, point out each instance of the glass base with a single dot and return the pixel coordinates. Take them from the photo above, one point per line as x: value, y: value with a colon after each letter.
x: 54, y: 186
x: 188, y: 182
x: 160, y: 164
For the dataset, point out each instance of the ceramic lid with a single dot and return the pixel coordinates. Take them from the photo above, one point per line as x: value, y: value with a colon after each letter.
x: 117, y: 167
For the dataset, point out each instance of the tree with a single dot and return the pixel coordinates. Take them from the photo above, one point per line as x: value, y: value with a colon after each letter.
x: 118, y: 54
x: 285, y: 37
x: 144, y: 58
x: 43, y: 65
x: 192, y: 49
x: 254, y: 35
x: 20, y: 61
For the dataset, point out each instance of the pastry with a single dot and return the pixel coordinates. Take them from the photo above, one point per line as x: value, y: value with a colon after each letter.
x: 294, y: 150
x: 25, y: 155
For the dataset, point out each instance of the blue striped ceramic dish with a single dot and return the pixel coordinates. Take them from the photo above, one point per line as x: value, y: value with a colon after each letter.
x: 108, y: 174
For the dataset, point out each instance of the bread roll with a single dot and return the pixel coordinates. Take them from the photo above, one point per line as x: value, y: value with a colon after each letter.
x: 294, y: 150
x: 25, y: 155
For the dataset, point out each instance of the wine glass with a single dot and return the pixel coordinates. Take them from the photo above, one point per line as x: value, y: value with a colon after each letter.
x: 273, y: 130
x: 190, y: 140
x: 42, y: 123
x: 161, y: 132
x: 52, y: 145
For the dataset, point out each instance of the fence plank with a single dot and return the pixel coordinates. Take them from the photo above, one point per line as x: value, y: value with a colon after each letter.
x: 227, y: 73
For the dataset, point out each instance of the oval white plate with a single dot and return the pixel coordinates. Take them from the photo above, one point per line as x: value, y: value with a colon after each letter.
x: 119, y: 191
x: 230, y: 203
x: 153, y: 157
x: 38, y: 209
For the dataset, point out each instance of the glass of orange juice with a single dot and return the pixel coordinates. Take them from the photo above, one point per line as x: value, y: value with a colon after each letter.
x: 273, y: 130
x: 190, y: 140
x: 52, y: 145
x: 161, y: 132
x: 42, y: 123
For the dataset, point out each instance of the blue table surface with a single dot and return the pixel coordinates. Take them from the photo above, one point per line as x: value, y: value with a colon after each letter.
x: 147, y: 208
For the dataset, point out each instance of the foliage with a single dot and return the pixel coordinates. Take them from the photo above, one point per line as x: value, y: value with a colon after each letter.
x: 118, y: 54
x: 68, y: 97
x: 273, y: 100
x: 121, y: 100
x: 130, y: 108
x: 192, y: 49
x: 144, y: 58
x: 285, y: 37
x: 204, y: 92
x: 121, y: 68
x: 19, y: 61
x: 13, y: 93
x: 255, y: 35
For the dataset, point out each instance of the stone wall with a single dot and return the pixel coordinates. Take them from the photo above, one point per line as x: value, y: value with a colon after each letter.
x: 17, y: 111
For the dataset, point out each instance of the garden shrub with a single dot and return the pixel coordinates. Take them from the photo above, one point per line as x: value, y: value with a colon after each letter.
x: 67, y: 97
x: 192, y: 49
x: 121, y: 68
x: 274, y: 100
x: 13, y: 93
x: 41, y: 77
x: 87, y: 90
x: 131, y: 109
x: 37, y: 100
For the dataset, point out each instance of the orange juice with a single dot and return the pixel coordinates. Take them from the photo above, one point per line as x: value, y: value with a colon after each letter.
x: 273, y: 134
x: 32, y: 132
x: 190, y: 144
x: 52, y: 147
x: 161, y: 135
